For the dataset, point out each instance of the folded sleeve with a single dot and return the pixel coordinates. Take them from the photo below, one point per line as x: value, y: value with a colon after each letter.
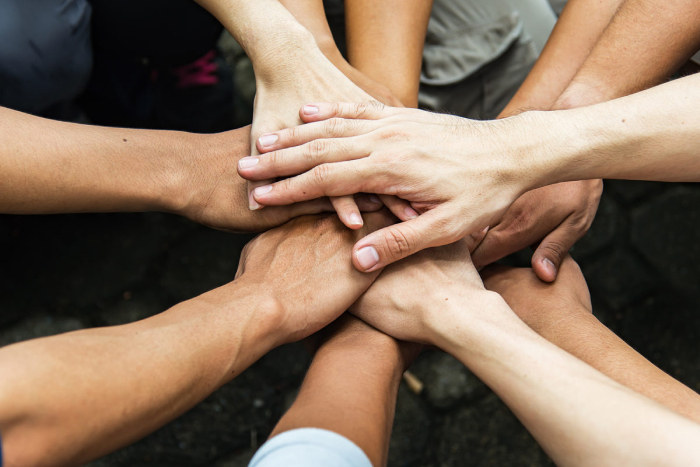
x: 310, y: 447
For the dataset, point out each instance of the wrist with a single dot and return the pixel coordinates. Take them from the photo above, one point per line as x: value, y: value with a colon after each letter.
x: 464, y: 323
x: 246, y: 319
x: 580, y: 93
x: 282, y: 55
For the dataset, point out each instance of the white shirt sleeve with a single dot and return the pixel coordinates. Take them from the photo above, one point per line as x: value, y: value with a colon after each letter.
x: 310, y: 447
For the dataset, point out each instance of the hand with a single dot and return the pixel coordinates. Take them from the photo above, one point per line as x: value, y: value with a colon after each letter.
x: 555, y: 216
x: 538, y: 304
x: 302, y: 269
x: 460, y: 175
x: 212, y: 193
x: 302, y: 75
x: 414, y: 298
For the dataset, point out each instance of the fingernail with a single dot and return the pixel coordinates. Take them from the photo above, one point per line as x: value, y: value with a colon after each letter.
x: 248, y: 162
x: 252, y: 204
x: 549, y: 266
x: 410, y: 213
x: 486, y: 230
x: 375, y: 199
x: 309, y: 110
x: 268, y: 140
x: 355, y: 219
x: 367, y: 257
x: 262, y: 190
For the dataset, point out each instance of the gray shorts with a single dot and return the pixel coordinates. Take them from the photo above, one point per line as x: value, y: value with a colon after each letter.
x: 45, y: 52
x: 477, y: 52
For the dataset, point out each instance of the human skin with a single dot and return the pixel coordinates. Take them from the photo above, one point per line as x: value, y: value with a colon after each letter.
x: 111, y: 386
x: 463, y: 175
x: 52, y: 167
x: 311, y: 14
x: 579, y: 416
x: 289, y: 69
x: 385, y: 42
x: 552, y: 217
x: 592, y: 56
x: 562, y: 314
x: 351, y: 386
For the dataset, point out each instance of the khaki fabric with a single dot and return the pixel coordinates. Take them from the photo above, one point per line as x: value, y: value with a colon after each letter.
x: 478, y: 52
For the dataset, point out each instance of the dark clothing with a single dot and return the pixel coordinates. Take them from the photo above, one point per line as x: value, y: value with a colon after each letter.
x: 45, y: 55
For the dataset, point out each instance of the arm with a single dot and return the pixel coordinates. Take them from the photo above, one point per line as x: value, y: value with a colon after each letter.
x: 665, y: 34
x: 311, y: 14
x: 111, y: 386
x: 53, y: 167
x: 578, y: 29
x: 385, y: 42
x: 351, y: 387
x: 579, y: 416
x: 562, y: 314
x: 445, y: 165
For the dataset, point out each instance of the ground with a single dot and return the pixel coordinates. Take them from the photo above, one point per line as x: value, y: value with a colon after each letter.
x: 61, y: 273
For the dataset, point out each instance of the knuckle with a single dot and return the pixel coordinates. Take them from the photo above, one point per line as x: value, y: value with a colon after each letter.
x: 320, y: 174
x: 332, y: 127
x: 554, y: 250
x: 294, y: 134
x: 315, y: 150
x: 398, y: 243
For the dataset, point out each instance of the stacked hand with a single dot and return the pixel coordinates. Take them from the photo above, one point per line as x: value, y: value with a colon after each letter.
x: 286, y: 81
x: 213, y: 194
x: 454, y: 172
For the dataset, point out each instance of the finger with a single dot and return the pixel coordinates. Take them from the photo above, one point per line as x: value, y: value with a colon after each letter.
x: 332, y: 128
x: 299, y: 159
x: 348, y: 211
x: 252, y: 203
x: 475, y: 239
x: 399, y: 207
x: 552, y: 250
x: 372, y: 110
x: 339, y: 179
x: 368, y: 202
x: 315, y: 206
x: 398, y: 241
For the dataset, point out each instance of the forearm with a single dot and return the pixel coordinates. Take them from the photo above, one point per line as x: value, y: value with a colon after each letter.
x: 652, y: 135
x: 580, y: 26
x: 385, y: 42
x: 579, y: 416
x: 56, y: 167
x: 112, y: 386
x: 664, y: 33
x: 266, y: 31
x: 578, y: 331
x: 351, y: 389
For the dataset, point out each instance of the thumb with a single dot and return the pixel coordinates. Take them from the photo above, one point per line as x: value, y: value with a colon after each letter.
x: 552, y: 250
x: 398, y: 241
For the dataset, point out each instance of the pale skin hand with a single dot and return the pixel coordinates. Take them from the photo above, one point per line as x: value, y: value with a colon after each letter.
x: 591, y: 57
x: 562, y: 314
x: 311, y: 14
x: 568, y: 209
x: 463, y: 175
x: 120, y: 383
x: 571, y: 409
x: 52, y: 167
x: 290, y: 69
x: 351, y: 386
